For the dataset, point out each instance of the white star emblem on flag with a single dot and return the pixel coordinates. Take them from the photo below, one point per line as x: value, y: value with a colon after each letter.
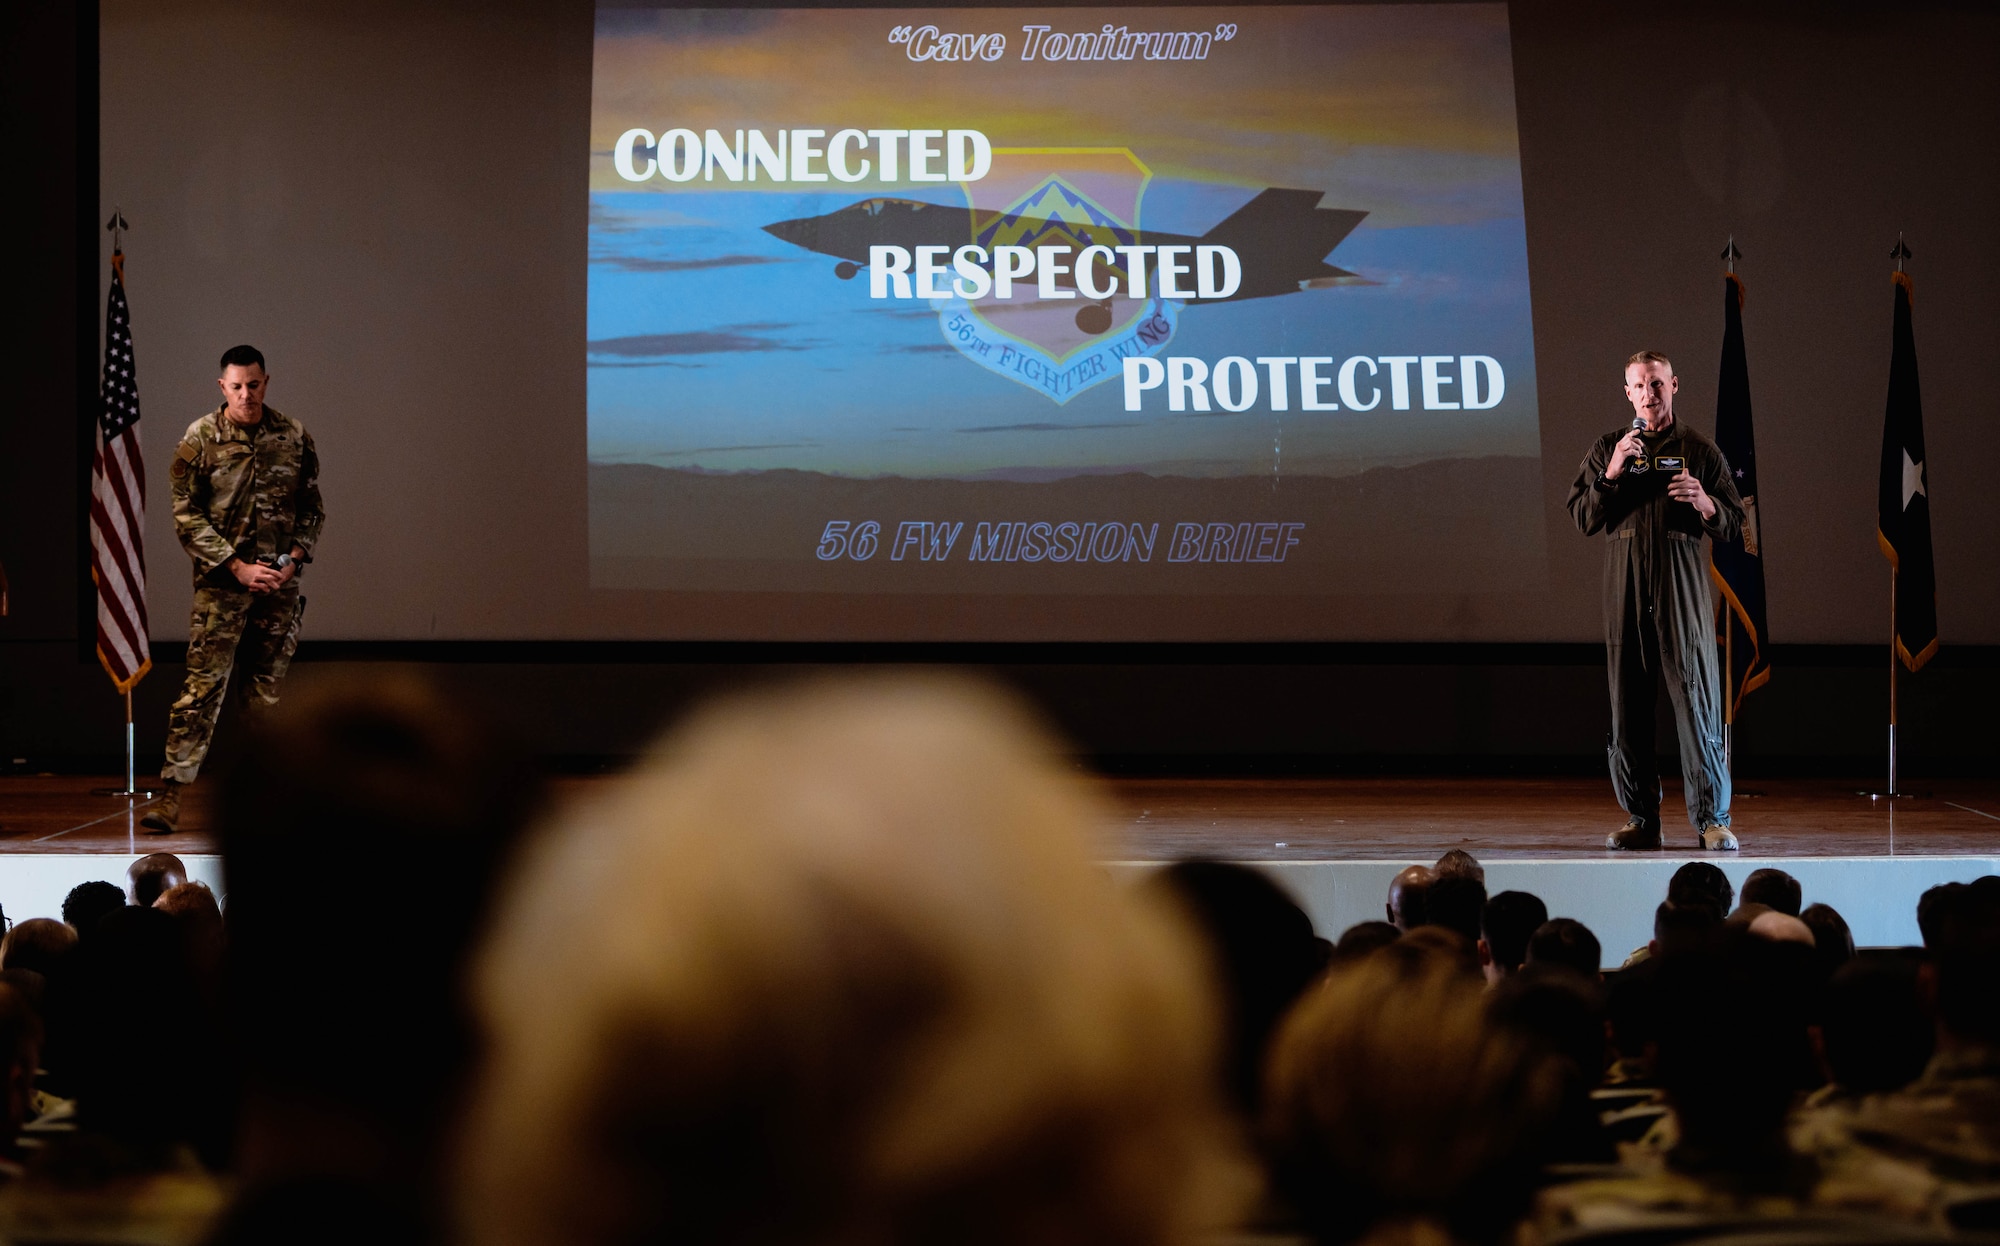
x: 1913, y: 480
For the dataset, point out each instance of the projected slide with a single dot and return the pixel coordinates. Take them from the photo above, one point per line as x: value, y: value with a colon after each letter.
x: 1173, y: 301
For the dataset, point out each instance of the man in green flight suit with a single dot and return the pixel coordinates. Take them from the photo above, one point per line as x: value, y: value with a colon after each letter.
x: 245, y: 481
x: 1654, y: 490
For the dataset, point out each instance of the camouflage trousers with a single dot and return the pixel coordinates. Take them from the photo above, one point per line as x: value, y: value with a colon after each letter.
x: 260, y: 628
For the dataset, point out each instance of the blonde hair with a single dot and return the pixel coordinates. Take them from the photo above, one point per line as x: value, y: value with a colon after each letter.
x: 837, y: 963
x: 1649, y: 356
x: 1395, y: 1105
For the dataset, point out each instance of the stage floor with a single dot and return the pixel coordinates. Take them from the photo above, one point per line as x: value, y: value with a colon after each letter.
x: 1266, y: 819
x: 1334, y: 843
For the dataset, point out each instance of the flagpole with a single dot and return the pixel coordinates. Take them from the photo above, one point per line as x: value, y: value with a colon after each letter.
x: 117, y: 226
x: 1894, y: 790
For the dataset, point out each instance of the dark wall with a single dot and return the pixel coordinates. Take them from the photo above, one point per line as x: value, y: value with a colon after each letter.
x: 1407, y: 707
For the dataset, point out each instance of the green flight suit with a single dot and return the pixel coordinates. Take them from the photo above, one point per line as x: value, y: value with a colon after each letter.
x: 1659, y: 616
x: 238, y: 493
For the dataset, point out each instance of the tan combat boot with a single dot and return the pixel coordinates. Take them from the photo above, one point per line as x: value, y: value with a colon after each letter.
x: 163, y: 816
x: 1716, y: 837
x: 1635, y: 836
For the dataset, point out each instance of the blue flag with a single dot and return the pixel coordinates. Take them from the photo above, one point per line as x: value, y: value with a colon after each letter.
x: 1738, y: 566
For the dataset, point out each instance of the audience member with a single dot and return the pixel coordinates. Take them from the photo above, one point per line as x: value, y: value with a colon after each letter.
x: 1833, y: 941
x: 1775, y: 889
x: 1874, y: 1034
x: 1509, y: 920
x: 1458, y: 863
x: 1441, y: 944
x: 1562, y: 1012
x: 345, y: 1108
x: 1732, y: 1045
x: 151, y: 876
x: 1566, y: 941
x: 1677, y: 926
x: 1407, y: 891
x: 1632, y: 1015
x: 86, y: 902
x: 20, y: 1056
x: 1699, y: 882
x: 1456, y: 903
x: 1781, y: 928
x: 1933, y: 905
x: 1265, y: 954
x: 1915, y: 1149
x: 838, y: 964
x: 1399, y: 1113
x: 193, y: 907
x: 143, y: 1056
x: 40, y: 943
x: 1363, y: 938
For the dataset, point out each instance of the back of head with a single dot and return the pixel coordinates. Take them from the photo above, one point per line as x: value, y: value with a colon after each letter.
x: 1678, y: 925
x: 1934, y: 904
x: 1458, y: 863
x: 1457, y: 902
x: 1832, y: 940
x: 1509, y: 921
x: 393, y: 759
x: 836, y: 963
x: 86, y: 902
x: 1566, y: 941
x: 1362, y: 938
x: 133, y: 990
x: 40, y: 943
x: 1967, y: 954
x: 1733, y: 1046
x: 1699, y: 882
x: 1265, y: 953
x: 1560, y: 1009
x: 1393, y: 1100
x: 1438, y: 946
x: 1873, y: 1026
x: 1775, y: 889
x: 1407, y: 893
x: 150, y: 877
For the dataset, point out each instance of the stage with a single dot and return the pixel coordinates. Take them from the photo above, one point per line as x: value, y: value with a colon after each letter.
x: 1334, y: 842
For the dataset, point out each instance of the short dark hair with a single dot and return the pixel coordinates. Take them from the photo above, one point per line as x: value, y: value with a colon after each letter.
x: 1933, y: 906
x: 1456, y: 902
x: 1458, y: 863
x: 1508, y: 922
x: 1675, y: 925
x: 1774, y: 889
x: 1967, y: 953
x: 86, y: 902
x: 1872, y: 1020
x: 1703, y: 883
x: 1566, y: 941
x: 245, y: 356
x: 1832, y: 939
x: 1362, y: 938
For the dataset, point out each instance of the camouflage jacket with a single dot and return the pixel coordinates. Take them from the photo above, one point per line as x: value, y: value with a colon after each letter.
x: 244, y: 492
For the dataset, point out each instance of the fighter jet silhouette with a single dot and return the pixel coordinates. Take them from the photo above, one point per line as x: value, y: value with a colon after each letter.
x: 1281, y: 237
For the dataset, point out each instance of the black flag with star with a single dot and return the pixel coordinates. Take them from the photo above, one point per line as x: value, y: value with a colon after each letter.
x: 1903, y: 502
x: 1738, y: 566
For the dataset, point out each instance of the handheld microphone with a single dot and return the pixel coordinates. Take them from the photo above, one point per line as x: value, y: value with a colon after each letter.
x: 1639, y: 464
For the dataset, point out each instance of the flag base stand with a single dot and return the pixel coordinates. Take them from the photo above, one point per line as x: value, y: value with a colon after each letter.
x: 1894, y: 791
x: 131, y: 790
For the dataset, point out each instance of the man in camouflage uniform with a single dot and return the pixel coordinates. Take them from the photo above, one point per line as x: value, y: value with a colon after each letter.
x: 245, y: 482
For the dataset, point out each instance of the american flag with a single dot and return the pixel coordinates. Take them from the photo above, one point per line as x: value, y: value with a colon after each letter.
x: 118, y: 502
